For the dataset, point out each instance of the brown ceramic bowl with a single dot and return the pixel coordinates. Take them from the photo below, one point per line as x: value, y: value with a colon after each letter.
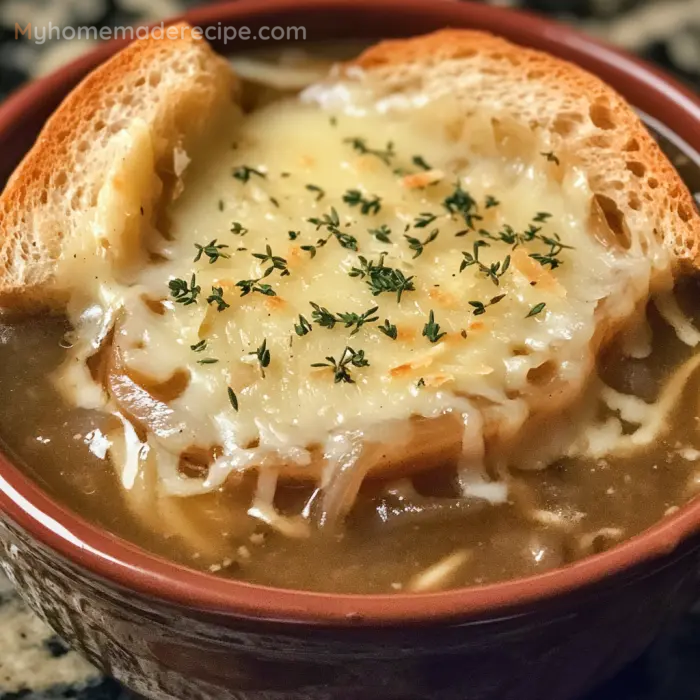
x: 168, y: 632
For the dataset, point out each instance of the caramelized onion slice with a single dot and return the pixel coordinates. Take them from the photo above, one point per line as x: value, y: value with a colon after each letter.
x: 146, y: 411
x: 428, y: 443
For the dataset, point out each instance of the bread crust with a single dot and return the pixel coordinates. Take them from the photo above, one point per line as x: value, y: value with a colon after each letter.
x: 35, y: 218
x: 630, y: 175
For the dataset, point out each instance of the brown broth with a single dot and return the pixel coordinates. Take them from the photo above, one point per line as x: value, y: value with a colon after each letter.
x: 51, y: 442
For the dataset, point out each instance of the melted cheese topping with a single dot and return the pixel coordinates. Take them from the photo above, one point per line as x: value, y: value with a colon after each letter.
x: 305, y: 163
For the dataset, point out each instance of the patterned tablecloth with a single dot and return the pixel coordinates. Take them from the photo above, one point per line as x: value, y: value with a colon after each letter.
x: 34, y: 663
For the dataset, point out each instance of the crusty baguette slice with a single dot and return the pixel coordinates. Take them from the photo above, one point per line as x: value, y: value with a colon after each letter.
x: 173, y: 86
x: 634, y: 184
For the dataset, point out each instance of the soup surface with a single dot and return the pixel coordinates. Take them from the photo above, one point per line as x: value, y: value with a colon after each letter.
x: 413, y: 533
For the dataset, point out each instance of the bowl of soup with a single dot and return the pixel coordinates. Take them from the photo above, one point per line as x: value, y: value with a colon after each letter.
x: 437, y: 584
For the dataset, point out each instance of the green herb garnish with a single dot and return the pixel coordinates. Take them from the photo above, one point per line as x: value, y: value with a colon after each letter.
x: 480, y: 308
x: 276, y: 262
x: 238, y: 228
x: 551, y: 256
x: 424, y: 219
x: 494, y: 271
x: 198, y: 347
x: 243, y: 173
x: 352, y: 319
x: 217, y: 297
x: 417, y: 245
x: 461, y: 202
x: 263, y: 355
x: 360, y: 145
x: 320, y: 193
x: 431, y: 330
x: 249, y: 286
x: 368, y: 205
x: 389, y: 329
x: 303, y: 327
x: 381, y: 234
x: 182, y: 293
x: 551, y: 157
x: 211, y: 250
x: 323, y: 316
x: 341, y: 368
x: 420, y: 162
x: 536, y: 309
x: 381, y: 279
x: 233, y: 399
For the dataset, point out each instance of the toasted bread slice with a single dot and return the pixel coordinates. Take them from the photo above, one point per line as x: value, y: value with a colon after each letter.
x: 172, y: 86
x: 588, y: 122
x: 638, y: 201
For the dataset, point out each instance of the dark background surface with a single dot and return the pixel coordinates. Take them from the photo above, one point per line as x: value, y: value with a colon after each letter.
x: 34, y: 664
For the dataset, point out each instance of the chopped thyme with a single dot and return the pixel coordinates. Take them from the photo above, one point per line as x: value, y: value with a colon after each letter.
x: 352, y: 319
x: 420, y: 162
x: 248, y: 286
x: 431, y: 330
x: 303, y: 327
x: 480, y: 307
x: 211, y: 250
x: 198, y: 347
x: 542, y: 216
x: 243, y: 173
x: 263, y: 355
x: 550, y: 156
x: 490, y: 201
x: 494, y: 271
x: 265, y: 289
x: 323, y: 316
x: 331, y: 222
x: 238, y: 229
x: 341, y: 368
x: 425, y: 218
x: 420, y: 383
x: 417, y: 245
x: 551, y: 256
x: 327, y: 319
x: 276, y: 262
x: 382, y: 233
x: 461, y: 202
x: 221, y: 205
x: 274, y: 202
x: 217, y: 297
x: 389, y: 329
x: 182, y: 293
x: 328, y: 221
x: 381, y: 279
x: 207, y: 361
x: 360, y: 145
x: 368, y: 205
x: 333, y: 121
x: 293, y: 235
x: 233, y: 400
x: 320, y: 193
x: 536, y: 309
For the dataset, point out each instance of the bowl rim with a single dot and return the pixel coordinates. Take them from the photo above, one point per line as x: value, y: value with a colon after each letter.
x: 125, y: 565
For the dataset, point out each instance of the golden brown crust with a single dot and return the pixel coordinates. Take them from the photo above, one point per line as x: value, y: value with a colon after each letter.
x: 155, y: 79
x: 632, y: 179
